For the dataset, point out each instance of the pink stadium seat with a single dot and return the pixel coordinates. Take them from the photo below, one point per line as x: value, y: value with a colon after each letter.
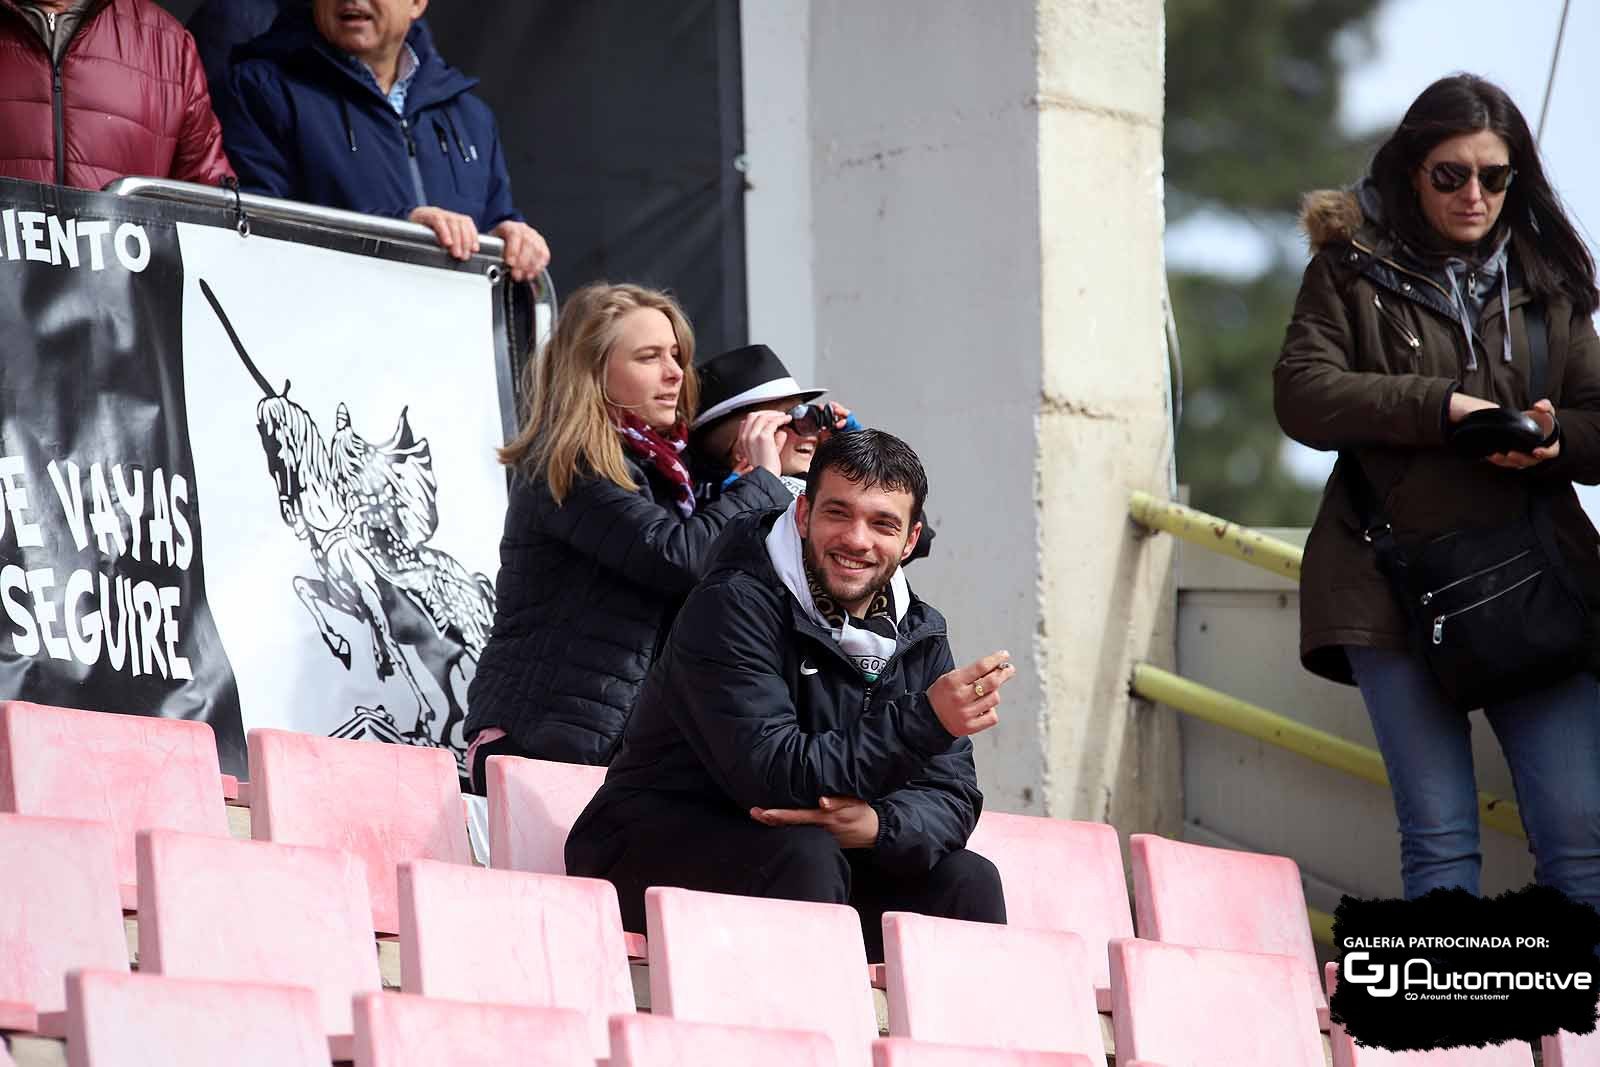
x: 134, y: 772
x: 251, y: 911
x: 397, y: 1030
x: 1571, y: 1050
x: 655, y: 1041
x: 384, y: 803
x: 532, y: 805
x: 59, y: 911
x: 1346, y: 1053
x: 781, y: 964
x: 968, y: 983
x: 1186, y: 1006
x: 136, y: 1020
x: 506, y: 937
x: 1036, y: 857
x: 1187, y: 894
x: 902, y: 1052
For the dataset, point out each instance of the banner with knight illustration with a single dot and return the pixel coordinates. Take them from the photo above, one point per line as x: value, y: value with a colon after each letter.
x: 247, y: 479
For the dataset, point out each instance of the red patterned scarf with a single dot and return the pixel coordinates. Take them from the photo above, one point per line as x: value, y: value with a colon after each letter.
x: 659, y: 451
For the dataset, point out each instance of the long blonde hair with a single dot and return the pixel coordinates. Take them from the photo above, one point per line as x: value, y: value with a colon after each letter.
x: 567, y: 429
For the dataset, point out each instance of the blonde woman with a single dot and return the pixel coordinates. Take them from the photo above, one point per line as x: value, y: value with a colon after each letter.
x: 602, y: 536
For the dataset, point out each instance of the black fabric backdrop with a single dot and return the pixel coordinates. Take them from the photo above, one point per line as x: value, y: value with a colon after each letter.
x: 91, y: 373
x: 622, y: 121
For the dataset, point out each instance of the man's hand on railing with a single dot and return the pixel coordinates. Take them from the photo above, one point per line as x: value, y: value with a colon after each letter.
x: 457, y: 234
x: 526, y: 250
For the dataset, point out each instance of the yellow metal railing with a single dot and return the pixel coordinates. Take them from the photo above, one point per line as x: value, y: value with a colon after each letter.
x: 1218, y: 535
x: 1319, y: 746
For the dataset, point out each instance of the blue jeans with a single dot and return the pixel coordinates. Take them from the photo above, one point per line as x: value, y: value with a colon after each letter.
x: 1551, y: 740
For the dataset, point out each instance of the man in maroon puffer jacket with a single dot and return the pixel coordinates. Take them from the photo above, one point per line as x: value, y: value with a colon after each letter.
x: 95, y: 90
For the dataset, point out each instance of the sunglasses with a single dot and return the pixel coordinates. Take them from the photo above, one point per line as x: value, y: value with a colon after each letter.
x: 1449, y: 177
x: 809, y: 420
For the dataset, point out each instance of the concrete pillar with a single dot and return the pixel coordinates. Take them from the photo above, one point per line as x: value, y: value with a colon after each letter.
x: 986, y: 267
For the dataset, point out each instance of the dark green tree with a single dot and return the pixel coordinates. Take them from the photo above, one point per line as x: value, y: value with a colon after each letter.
x: 1253, y: 90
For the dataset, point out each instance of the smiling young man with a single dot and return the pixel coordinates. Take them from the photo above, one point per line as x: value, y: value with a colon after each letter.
x: 804, y: 733
x: 347, y: 104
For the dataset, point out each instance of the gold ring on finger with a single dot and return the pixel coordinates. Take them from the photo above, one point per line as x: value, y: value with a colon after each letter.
x: 977, y: 687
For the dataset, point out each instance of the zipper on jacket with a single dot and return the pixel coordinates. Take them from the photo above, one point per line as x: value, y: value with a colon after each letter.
x: 1394, y: 319
x: 411, y: 158
x: 1440, y: 620
x: 58, y: 113
x: 1427, y: 598
x: 50, y: 19
x: 872, y: 686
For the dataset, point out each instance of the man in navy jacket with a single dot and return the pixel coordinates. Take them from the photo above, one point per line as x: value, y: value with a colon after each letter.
x: 347, y: 104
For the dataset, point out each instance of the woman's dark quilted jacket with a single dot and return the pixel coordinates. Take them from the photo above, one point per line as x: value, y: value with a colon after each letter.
x: 585, y: 594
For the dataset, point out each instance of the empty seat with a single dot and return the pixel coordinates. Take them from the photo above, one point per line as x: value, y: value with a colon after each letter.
x: 134, y: 772
x: 970, y: 983
x: 1571, y: 1050
x: 655, y: 1041
x: 781, y: 964
x: 385, y: 803
x: 396, y: 1030
x: 532, y: 806
x: 59, y: 911
x: 251, y: 911
x: 506, y: 937
x: 137, y: 1020
x: 1180, y: 1005
x: 1036, y: 857
x: 1218, y: 898
x: 1346, y: 1053
x: 902, y: 1052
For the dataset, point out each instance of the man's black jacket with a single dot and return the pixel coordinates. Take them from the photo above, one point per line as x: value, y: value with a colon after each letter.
x: 753, y: 702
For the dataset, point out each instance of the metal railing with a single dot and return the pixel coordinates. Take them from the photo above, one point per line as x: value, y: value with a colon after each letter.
x: 248, y: 206
x: 332, y: 220
x: 1217, y: 535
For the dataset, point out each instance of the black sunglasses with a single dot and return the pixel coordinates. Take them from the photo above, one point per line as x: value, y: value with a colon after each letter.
x: 1449, y: 177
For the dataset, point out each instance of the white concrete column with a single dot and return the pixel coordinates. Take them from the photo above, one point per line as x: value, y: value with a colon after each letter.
x: 776, y: 41
x: 985, y: 221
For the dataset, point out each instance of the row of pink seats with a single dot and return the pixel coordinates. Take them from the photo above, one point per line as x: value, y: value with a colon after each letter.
x: 1184, y: 894
x: 218, y: 909
x: 121, y: 1020
x: 382, y: 803
x: 392, y: 803
x: 479, y: 935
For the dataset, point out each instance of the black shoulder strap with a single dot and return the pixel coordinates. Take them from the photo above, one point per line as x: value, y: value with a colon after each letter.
x: 1538, y: 327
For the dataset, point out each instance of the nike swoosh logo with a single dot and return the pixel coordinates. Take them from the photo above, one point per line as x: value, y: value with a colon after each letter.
x: 806, y: 668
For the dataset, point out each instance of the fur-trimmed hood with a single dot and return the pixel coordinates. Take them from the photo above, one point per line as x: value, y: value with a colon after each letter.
x: 1331, y: 216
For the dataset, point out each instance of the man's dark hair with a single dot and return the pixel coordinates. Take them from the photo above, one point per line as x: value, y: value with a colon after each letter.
x: 871, y: 459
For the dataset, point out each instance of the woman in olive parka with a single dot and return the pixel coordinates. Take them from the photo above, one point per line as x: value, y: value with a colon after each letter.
x: 1413, y: 314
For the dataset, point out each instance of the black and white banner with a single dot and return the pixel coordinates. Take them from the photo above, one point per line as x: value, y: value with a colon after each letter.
x: 247, y: 480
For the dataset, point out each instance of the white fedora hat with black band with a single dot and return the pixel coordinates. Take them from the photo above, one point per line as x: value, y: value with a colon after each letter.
x: 744, y: 378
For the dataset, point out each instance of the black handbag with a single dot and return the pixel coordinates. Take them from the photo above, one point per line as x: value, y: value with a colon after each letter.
x: 1494, y: 612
